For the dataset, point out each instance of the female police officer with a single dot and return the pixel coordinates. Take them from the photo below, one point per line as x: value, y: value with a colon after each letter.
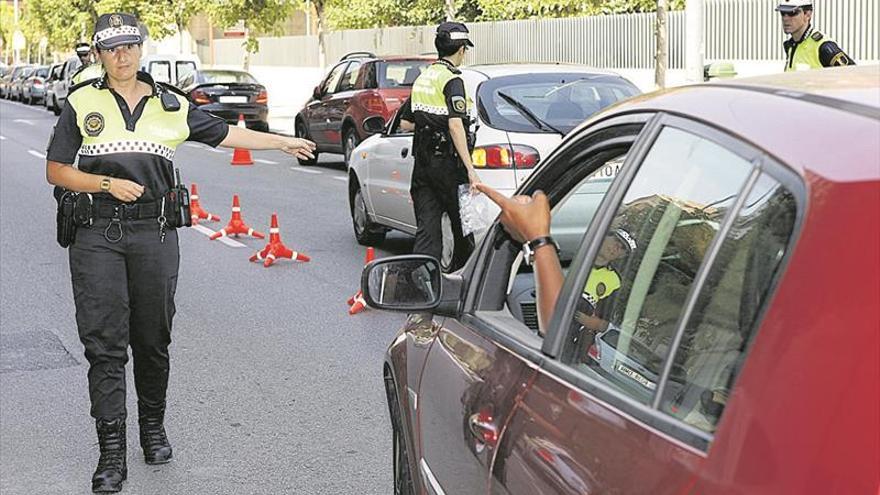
x: 125, y: 128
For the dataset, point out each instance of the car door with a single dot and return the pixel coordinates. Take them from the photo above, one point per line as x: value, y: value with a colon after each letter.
x: 390, y: 172
x: 636, y: 381
x: 317, y: 119
x: 338, y: 102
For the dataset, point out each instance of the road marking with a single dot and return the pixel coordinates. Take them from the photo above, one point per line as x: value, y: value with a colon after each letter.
x: 343, y: 179
x: 305, y: 170
x: 191, y: 145
x: 23, y: 121
x: 225, y: 240
x: 215, y: 150
x: 267, y: 162
x: 37, y: 154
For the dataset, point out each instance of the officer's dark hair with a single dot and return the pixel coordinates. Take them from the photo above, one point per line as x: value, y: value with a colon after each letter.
x: 447, y: 46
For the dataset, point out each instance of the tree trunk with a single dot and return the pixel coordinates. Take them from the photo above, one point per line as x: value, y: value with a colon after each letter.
x: 449, y: 8
x: 322, y: 25
x: 662, y: 45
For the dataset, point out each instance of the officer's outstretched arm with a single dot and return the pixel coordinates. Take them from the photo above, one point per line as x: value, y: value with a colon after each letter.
x: 239, y: 137
x: 72, y: 179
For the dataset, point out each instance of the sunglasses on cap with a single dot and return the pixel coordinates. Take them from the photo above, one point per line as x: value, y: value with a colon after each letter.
x: 790, y: 13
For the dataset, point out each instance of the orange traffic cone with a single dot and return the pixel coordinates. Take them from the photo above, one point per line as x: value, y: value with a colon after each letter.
x: 236, y: 225
x: 356, y: 301
x: 196, y: 211
x: 276, y: 249
x: 241, y: 156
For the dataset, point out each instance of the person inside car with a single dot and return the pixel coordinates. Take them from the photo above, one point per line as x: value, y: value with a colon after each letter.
x: 603, y: 281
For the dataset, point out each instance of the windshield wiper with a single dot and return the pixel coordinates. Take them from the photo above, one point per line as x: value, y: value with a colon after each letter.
x: 531, y: 117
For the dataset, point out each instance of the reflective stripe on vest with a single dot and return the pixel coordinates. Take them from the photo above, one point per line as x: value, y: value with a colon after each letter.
x: 427, y: 93
x: 103, y: 130
x: 806, y: 53
x: 602, y: 283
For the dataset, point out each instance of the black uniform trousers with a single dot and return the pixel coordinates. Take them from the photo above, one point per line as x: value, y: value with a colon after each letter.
x: 434, y: 191
x: 124, y: 295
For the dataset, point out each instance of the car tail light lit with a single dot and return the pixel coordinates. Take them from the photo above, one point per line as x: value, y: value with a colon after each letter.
x: 593, y: 352
x: 263, y: 97
x: 200, y: 98
x: 374, y: 103
x: 38, y: 82
x: 518, y: 156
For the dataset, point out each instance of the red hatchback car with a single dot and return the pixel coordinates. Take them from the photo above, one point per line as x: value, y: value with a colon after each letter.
x: 361, y: 85
x: 737, y: 349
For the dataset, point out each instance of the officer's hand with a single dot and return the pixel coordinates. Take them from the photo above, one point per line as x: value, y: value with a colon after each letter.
x: 474, y: 179
x: 125, y: 190
x: 590, y: 322
x: 524, y: 217
x: 298, y: 147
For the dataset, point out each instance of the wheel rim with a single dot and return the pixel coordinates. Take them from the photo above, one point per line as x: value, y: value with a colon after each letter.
x: 448, y: 244
x: 360, y: 213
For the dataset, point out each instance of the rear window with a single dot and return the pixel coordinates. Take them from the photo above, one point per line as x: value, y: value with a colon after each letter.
x: 42, y: 72
x: 562, y: 100
x: 226, y: 77
x: 184, y: 69
x: 399, y: 73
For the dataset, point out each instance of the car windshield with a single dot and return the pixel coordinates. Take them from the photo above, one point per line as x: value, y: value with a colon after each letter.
x: 400, y: 73
x: 226, y: 77
x: 563, y: 100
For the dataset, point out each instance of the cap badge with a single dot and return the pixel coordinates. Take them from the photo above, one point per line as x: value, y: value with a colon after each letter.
x: 115, y: 21
x: 94, y: 124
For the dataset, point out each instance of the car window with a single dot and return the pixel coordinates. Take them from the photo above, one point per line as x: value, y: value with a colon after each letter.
x: 42, y: 72
x: 712, y: 346
x: 349, y: 77
x: 184, y: 69
x: 226, y: 76
x: 400, y: 73
x: 332, y: 79
x: 631, y: 301
x: 160, y: 71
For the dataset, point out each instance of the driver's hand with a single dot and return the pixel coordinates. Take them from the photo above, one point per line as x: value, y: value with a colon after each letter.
x: 525, y: 217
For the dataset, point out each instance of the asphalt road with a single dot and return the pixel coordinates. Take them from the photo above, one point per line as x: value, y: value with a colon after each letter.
x: 274, y: 387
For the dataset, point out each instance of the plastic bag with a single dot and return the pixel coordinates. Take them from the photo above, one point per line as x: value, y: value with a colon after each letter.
x: 475, y: 210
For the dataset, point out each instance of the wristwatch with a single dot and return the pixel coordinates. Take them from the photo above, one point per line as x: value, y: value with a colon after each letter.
x: 530, y: 247
x: 105, y: 184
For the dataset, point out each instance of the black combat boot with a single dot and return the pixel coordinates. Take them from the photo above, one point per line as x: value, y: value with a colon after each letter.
x: 111, y: 470
x: 157, y: 450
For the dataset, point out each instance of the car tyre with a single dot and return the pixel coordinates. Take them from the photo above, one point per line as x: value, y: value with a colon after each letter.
x: 365, y: 231
x: 403, y: 484
x: 350, y: 141
x: 302, y: 132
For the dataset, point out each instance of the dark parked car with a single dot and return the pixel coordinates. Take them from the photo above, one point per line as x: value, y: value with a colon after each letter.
x: 739, y: 351
x: 33, y: 89
x: 228, y: 94
x: 360, y: 86
x: 12, y: 82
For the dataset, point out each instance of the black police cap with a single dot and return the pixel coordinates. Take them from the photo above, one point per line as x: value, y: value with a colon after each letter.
x: 456, y: 31
x: 112, y: 30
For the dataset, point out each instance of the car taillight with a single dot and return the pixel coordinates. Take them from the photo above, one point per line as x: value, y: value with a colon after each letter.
x: 263, y: 97
x: 518, y: 156
x: 200, y: 98
x: 374, y: 103
x: 37, y: 82
x: 593, y: 352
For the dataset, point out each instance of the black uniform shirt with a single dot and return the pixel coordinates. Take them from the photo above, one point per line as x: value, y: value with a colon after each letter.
x: 148, y: 166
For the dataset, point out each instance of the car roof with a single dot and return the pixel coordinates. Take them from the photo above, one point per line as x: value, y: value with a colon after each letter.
x: 813, y: 122
x: 509, y: 69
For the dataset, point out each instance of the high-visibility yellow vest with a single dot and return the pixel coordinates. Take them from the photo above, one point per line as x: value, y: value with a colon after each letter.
x: 91, y: 71
x: 601, y: 283
x: 806, y: 53
x: 427, y: 93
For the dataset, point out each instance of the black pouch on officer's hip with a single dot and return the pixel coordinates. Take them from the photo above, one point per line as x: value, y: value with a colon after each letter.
x: 177, y: 209
x: 74, y: 210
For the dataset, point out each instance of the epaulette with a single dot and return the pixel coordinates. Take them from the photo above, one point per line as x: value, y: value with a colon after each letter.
x: 816, y: 36
x: 82, y: 84
x: 171, y: 88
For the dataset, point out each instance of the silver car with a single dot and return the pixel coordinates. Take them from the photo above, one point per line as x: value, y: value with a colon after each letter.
x: 522, y: 111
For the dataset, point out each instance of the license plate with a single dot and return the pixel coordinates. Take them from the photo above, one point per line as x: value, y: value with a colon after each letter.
x: 635, y: 375
x: 233, y: 99
x: 608, y: 171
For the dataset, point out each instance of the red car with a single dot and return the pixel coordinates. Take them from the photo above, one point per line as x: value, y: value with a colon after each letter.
x: 361, y: 85
x: 731, y: 344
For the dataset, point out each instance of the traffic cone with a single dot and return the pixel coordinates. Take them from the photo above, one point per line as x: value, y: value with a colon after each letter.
x: 356, y: 302
x: 276, y: 249
x: 241, y: 156
x: 236, y: 225
x: 195, y: 208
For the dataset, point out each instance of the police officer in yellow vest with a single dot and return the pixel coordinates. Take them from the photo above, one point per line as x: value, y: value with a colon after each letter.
x: 441, y: 145
x: 88, y: 69
x: 124, y: 129
x: 604, y: 280
x: 807, y: 48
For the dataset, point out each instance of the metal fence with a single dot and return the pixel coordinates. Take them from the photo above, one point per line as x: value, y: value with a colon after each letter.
x: 734, y: 30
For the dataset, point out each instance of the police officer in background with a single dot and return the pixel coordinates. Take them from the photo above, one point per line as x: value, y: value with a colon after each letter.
x: 88, y: 69
x: 441, y: 148
x: 807, y: 48
x: 124, y: 129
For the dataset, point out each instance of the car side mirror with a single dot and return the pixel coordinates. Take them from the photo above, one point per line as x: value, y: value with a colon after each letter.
x: 412, y: 283
x: 374, y: 124
x: 316, y: 93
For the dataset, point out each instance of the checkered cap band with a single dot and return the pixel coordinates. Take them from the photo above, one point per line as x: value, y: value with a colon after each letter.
x: 106, y: 34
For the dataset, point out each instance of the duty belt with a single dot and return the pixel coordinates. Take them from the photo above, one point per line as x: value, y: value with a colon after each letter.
x: 126, y: 211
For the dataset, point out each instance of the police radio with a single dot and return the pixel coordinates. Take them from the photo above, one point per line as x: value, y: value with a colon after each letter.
x: 182, y: 209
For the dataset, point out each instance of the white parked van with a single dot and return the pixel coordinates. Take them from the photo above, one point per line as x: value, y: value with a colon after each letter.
x: 170, y: 68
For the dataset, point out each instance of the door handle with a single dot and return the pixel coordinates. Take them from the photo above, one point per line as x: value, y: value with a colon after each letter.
x: 483, y: 427
x: 404, y: 152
